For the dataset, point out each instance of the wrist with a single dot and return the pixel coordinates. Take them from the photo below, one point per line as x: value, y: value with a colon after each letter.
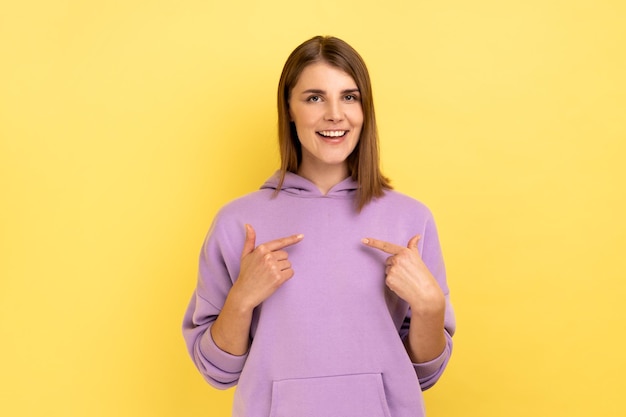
x: 236, y: 304
x: 431, y: 307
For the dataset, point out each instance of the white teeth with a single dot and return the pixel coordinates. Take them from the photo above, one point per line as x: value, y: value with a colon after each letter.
x: 332, y: 133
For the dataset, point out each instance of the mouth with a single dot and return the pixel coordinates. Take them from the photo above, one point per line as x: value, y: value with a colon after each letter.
x: 332, y: 134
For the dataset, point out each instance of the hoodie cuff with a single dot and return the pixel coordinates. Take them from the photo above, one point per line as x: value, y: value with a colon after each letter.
x: 425, y: 370
x: 223, y: 360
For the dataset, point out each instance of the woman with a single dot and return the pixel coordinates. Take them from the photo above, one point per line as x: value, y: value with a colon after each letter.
x: 323, y: 293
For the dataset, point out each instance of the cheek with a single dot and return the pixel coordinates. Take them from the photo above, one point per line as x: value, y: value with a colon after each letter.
x: 357, y: 117
x: 301, y: 116
x: 358, y: 124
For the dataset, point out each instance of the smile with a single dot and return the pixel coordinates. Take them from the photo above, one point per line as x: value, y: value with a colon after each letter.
x: 332, y: 133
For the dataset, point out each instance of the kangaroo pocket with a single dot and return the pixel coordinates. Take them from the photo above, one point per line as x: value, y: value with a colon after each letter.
x: 359, y: 395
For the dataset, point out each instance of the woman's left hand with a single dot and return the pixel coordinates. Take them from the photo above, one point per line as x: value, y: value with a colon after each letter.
x: 409, y: 278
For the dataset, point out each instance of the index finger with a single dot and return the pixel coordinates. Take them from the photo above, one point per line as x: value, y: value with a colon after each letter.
x: 387, y: 247
x: 283, y: 242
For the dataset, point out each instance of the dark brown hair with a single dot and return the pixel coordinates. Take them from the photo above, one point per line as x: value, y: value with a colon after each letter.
x: 363, y: 162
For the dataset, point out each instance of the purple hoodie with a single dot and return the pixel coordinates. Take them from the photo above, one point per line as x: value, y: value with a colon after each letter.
x: 328, y: 342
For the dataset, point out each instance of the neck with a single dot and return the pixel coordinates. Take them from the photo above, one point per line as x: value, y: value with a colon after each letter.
x: 326, y: 178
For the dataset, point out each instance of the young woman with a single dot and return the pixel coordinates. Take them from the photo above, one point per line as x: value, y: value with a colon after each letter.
x: 324, y: 293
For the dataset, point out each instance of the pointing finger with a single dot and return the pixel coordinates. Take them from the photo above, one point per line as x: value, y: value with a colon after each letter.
x: 387, y: 247
x: 283, y: 242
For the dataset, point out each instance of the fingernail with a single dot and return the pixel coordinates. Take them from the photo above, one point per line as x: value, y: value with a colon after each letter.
x: 365, y: 240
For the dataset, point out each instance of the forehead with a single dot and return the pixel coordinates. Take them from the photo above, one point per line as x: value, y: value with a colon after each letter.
x: 322, y: 75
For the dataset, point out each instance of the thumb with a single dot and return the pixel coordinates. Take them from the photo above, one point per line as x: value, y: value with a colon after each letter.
x: 249, y: 244
x: 413, y: 242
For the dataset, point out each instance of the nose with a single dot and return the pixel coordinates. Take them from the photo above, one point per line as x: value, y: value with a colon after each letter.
x: 334, y: 112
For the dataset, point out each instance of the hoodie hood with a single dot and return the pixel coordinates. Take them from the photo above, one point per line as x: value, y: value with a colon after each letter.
x: 302, y: 187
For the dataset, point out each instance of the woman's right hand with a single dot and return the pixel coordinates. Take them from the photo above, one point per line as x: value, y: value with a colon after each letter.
x: 263, y: 270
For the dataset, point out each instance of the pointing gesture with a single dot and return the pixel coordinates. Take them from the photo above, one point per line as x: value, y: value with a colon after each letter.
x: 264, y: 268
x: 409, y: 277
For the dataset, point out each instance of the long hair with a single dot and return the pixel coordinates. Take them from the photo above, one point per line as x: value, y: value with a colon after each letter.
x: 364, y: 161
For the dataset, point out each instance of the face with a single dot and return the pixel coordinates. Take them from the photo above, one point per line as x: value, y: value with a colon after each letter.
x: 325, y: 106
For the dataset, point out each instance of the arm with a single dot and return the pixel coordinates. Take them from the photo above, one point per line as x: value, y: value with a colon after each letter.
x: 263, y: 270
x: 419, y: 279
x: 430, y: 371
x: 218, y: 265
x: 217, y: 323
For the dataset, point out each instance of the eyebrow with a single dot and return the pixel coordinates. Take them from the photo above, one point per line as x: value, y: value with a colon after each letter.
x: 317, y: 91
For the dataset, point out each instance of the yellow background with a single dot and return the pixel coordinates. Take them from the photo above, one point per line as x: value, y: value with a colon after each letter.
x: 126, y: 124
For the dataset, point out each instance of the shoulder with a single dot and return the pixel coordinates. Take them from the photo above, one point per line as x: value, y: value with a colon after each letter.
x: 398, y: 213
x: 245, y: 205
x: 402, y: 204
x: 227, y: 229
x: 232, y: 216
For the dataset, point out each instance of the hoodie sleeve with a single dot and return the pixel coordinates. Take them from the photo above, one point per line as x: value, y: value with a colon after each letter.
x: 429, y: 373
x: 218, y: 267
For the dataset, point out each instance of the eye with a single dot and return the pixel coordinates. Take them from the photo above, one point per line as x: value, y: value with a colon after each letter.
x: 351, y: 97
x: 314, y: 99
